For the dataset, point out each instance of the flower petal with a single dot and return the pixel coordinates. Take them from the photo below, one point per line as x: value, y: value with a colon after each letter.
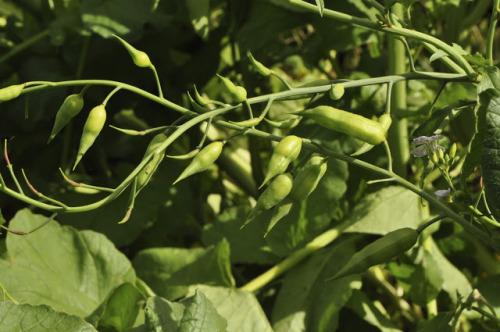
x: 442, y: 193
x: 419, y: 151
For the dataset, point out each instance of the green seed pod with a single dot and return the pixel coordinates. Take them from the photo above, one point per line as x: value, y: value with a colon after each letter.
x: 285, y: 124
x: 259, y: 67
x: 453, y: 150
x: 140, y: 58
x: 147, y: 172
x: 71, y: 106
x: 11, y: 92
x: 237, y: 93
x: 91, y: 129
x: 200, y: 99
x: 308, y: 178
x: 277, y: 190
x: 197, y: 107
x: 337, y: 91
x: 380, y: 251
x: 385, y: 121
x: 206, y: 157
x: 348, y: 123
x: 247, y: 123
x: 287, y: 150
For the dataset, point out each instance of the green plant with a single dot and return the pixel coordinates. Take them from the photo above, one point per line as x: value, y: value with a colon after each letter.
x: 426, y: 170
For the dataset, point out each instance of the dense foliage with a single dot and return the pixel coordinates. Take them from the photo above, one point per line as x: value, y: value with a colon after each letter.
x: 263, y: 165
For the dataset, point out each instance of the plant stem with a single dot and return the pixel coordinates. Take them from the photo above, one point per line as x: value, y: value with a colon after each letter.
x: 319, y: 242
x: 27, y: 43
x: 491, y: 32
x: 395, y: 30
x: 398, y: 132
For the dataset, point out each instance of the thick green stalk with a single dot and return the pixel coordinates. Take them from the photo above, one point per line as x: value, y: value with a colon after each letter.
x: 398, y: 132
x: 319, y: 242
x: 394, y: 30
x: 491, y: 32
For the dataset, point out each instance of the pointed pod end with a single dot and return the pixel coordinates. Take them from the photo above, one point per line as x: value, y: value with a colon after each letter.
x: 50, y: 138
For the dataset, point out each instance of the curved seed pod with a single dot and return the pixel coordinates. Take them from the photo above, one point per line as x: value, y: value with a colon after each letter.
x: 197, y: 107
x: 287, y: 150
x: 140, y: 58
x: 285, y: 124
x: 336, y: 91
x: 277, y: 190
x: 91, y: 129
x: 238, y: 93
x: 380, y: 251
x: 259, y: 67
x: 280, y: 211
x: 348, y: 123
x: 385, y: 121
x: 247, y: 123
x: 308, y: 178
x: 71, y: 106
x: 206, y: 157
x: 188, y: 155
x: 200, y: 99
x: 147, y: 172
x: 11, y: 92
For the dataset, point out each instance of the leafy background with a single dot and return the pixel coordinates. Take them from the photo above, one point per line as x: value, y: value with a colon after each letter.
x: 175, y: 267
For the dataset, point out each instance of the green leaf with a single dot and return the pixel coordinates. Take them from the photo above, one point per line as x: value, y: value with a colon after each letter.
x: 247, y: 245
x: 305, y: 301
x: 490, y: 290
x: 438, y: 55
x: 386, y: 210
x: 170, y: 271
x: 119, y: 310
x: 201, y: 315
x: 199, y: 12
x: 27, y: 317
x: 364, y: 307
x: 490, y: 160
x: 163, y: 315
x: 440, y: 323
x: 241, y: 309
x: 69, y: 270
x: 437, y: 119
x: 108, y: 17
x: 475, y: 148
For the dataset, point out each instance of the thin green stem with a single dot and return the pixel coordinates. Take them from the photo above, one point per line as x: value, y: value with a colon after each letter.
x: 319, y: 242
x: 389, y: 156
x: 157, y: 78
x: 491, y: 32
x: 108, y: 97
x: 421, y: 228
x: 24, y: 45
x: 83, y: 56
x: 282, y: 79
x: 394, y: 30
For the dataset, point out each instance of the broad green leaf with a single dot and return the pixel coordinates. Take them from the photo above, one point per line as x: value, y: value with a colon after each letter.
x: 306, y: 302
x: 241, y: 309
x: 438, y: 119
x: 170, y: 271
x: 201, y: 315
x: 247, y: 245
x: 490, y: 160
x: 67, y: 269
x: 490, y: 80
x: 194, y: 313
x: 386, y: 210
x: 108, y: 17
x: 440, y: 323
x: 454, y: 281
x: 490, y: 290
x: 475, y: 148
x: 163, y: 315
x: 27, y: 317
x: 199, y: 14
x: 119, y: 310
x: 364, y: 307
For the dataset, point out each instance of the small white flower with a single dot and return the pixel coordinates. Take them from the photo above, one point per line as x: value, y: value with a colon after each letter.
x: 426, y: 145
x: 442, y: 193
